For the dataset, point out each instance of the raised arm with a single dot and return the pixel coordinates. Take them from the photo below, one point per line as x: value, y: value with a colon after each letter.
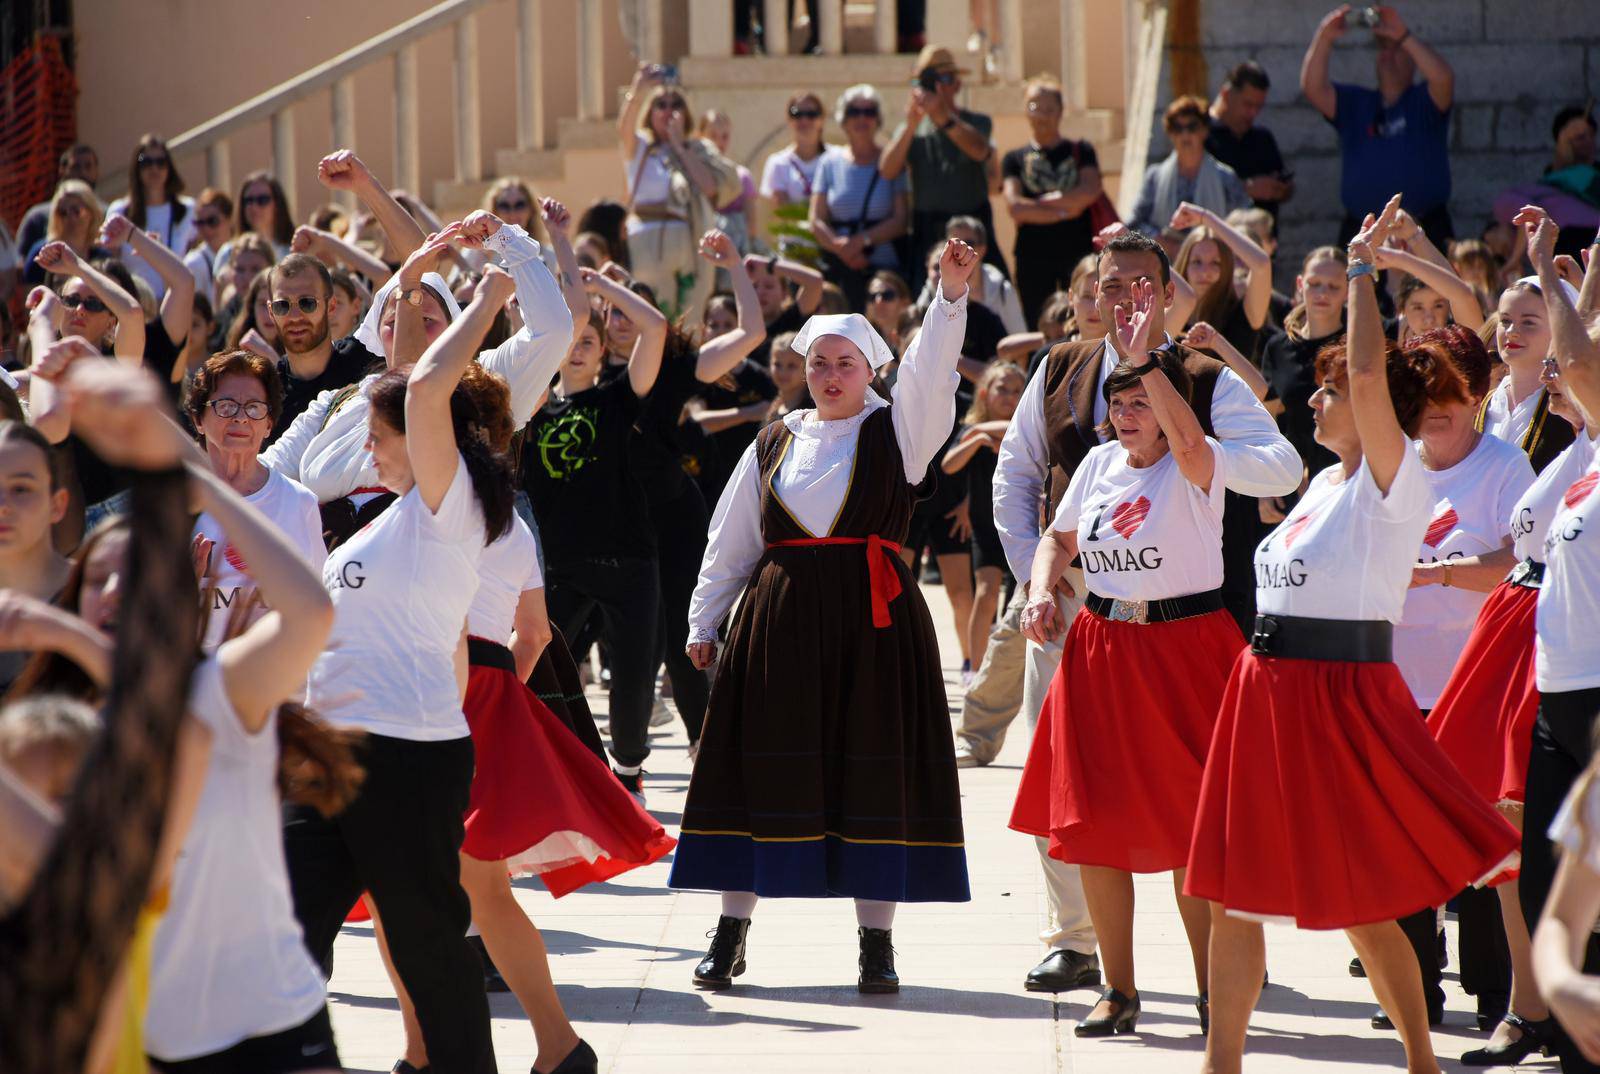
x: 1589, y: 293
x: 1463, y: 302
x: 430, y: 431
x: 893, y: 161
x: 1383, y: 442
x: 723, y: 354
x: 59, y: 258
x: 628, y: 118
x: 47, y: 410
x: 177, y: 305
x: 644, y: 364
x: 266, y: 664
x: 330, y: 249
x: 1433, y: 67
x: 343, y: 170
x: 807, y: 280
x: 1257, y: 263
x: 557, y: 222
x: 1185, y: 438
x: 1577, y: 351
x: 1314, y: 80
x: 1201, y: 336
x: 926, y: 380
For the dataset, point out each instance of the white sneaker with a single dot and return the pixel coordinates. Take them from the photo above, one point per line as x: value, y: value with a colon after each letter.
x: 965, y: 758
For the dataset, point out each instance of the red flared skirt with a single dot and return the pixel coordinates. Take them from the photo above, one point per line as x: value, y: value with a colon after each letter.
x: 1113, y: 776
x: 1328, y: 805
x: 1484, y: 718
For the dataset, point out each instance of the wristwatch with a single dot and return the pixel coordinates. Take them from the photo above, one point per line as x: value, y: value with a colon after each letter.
x: 1360, y: 268
x: 413, y: 296
x: 951, y: 122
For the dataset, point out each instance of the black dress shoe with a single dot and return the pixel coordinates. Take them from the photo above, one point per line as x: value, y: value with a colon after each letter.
x: 1356, y: 968
x: 1380, y: 1020
x: 1062, y: 971
x: 581, y: 1060
x: 492, y: 981
x: 403, y: 1067
x: 1492, y: 1008
x: 1203, y: 1007
x: 725, y: 960
x: 1124, y: 1017
x: 1536, y: 1037
x: 877, y: 962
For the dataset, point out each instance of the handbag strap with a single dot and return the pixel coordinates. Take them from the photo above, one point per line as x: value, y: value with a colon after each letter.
x: 866, y: 202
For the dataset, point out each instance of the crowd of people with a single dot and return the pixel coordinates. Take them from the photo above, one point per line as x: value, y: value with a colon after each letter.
x: 315, y: 536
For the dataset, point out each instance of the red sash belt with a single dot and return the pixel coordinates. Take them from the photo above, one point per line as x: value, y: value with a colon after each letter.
x: 883, y: 579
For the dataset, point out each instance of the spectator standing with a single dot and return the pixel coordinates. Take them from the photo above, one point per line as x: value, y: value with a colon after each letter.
x: 789, y: 176
x: 948, y: 154
x: 1189, y: 174
x: 1393, y: 138
x: 737, y: 218
x: 856, y: 215
x: 155, y: 203
x: 81, y: 163
x: 1049, y: 185
x: 213, y: 223
x: 1251, y: 151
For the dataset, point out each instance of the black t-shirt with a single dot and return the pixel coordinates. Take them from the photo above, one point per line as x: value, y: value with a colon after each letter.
x: 161, y: 353
x: 1043, y: 171
x: 349, y: 362
x: 661, y: 439
x: 576, y: 467
x: 100, y: 480
x: 985, y: 330
x: 1290, y: 368
x: 1255, y: 153
x: 980, y: 494
x: 748, y: 383
x: 789, y: 319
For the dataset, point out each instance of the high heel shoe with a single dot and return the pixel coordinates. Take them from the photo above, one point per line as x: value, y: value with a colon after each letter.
x: 581, y: 1060
x: 1123, y: 1019
x: 1535, y: 1038
x: 1203, y: 1007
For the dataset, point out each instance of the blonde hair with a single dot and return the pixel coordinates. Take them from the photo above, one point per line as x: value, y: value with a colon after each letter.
x: 1088, y: 265
x: 535, y: 227
x: 1216, y: 303
x: 1294, y: 323
x: 649, y: 106
x: 979, y: 411
x: 75, y: 188
x: 1047, y: 84
x: 1479, y: 268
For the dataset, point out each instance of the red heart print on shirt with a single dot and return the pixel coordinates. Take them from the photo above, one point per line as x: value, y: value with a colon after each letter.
x: 1291, y: 532
x: 1128, y: 517
x: 1581, y: 488
x: 235, y: 560
x: 1440, y: 527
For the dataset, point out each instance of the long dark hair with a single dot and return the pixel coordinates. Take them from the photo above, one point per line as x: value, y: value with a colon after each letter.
x: 282, y: 219
x: 174, y: 185
x: 480, y: 412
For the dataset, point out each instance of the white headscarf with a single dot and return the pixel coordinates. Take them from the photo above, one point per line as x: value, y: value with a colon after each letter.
x: 1566, y: 288
x: 367, y: 334
x: 852, y: 326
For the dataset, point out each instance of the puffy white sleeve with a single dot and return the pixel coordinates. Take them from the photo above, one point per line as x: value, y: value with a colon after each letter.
x: 925, y: 388
x: 733, y: 548
x: 1019, y: 478
x: 1258, y: 460
x: 285, y: 454
x: 529, y: 359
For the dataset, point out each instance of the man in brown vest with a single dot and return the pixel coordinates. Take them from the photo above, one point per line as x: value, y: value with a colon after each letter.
x: 1053, y: 430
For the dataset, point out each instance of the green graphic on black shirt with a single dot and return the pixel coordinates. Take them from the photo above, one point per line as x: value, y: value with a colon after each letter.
x: 567, y: 443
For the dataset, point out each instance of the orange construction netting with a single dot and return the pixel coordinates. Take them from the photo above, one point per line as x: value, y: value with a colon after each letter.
x: 38, y: 120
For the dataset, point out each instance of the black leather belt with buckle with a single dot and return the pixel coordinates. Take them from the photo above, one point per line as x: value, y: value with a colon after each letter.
x: 1293, y: 637
x: 1529, y: 574
x: 1154, y: 611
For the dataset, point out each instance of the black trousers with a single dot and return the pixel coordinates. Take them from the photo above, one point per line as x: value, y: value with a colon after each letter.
x: 681, y: 525
x: 400, y: 840
x: 927, y: 228
x: 1561, y: 749
x: 1041, y: 273
x: 626, y: 592
x: 1422, y: 929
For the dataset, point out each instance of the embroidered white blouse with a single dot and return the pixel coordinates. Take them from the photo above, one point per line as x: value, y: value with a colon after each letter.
x: 814, y: 477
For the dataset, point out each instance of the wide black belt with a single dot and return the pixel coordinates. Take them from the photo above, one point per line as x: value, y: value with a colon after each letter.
x: 1529, y: 574
x: 1154, y: 611
x: 483, y: 653
x: 1293, y: 637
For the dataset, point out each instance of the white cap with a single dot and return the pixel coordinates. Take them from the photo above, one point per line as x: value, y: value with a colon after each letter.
x: 367, y: 334
x: 1566, y: 288
x: 852, y: 326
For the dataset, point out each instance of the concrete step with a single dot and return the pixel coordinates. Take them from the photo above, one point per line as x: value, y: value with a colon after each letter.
x: 790, y: 72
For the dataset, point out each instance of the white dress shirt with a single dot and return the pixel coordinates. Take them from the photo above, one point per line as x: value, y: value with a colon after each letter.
x: 814, y: 477
x: 1258, y: 461
x: 327, y: 452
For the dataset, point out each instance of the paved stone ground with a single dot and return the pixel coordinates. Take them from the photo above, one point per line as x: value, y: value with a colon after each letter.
x: 622, y: 954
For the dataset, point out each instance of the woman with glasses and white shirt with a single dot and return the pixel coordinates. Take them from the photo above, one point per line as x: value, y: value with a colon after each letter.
x: 213, y: 226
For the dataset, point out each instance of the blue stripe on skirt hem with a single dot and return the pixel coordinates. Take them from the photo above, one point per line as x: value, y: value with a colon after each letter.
x: 827, y: 868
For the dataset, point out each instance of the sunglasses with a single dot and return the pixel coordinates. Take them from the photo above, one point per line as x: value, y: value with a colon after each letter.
x: 882, y: 296
x: 88, y: 302
x: 511, y: 206
x: 255, y: 409
x: 257, y: 200
x: 207, y: 221
x: 669, y: 103
x: 864, y: 111
x: 70, y: 208
x: 1193, y: 126
x: 280, y: 307
x: 804, y: 113
x: 153, y: 162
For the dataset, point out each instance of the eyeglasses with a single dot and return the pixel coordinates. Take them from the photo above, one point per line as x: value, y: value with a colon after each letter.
x: 257, y: 200
x: 280, y: 306
x: 517, y: 206
x: 70, y: 208
x: 804, y: 113
x: 146, y: 161
x: 669, y: 103
x: 883, y: 296
x: 88, y: 302
x: 1193, y: 126
x: 942, y: 78
x: 255, y: 409
x: 861, y: 111
x: 1037, y: 107
x: 207, y: 221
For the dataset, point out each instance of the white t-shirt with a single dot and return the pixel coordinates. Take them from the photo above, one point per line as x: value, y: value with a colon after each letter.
x: 785, y: 173
x: 649, y: 176
x: 1144, y: 533
x: 509, y: 567
x: 175, y: 237
x: 1530, y: 520
x: 293, y: 509
x: 1509, y: 423
x: 1472, y: 502
x: 401, y: 588
x: 1568, y: 647
x: 1346, y: 550
x: 229, y: 960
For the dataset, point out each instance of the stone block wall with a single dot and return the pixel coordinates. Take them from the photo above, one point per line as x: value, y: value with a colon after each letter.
x: 1517, y: 62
